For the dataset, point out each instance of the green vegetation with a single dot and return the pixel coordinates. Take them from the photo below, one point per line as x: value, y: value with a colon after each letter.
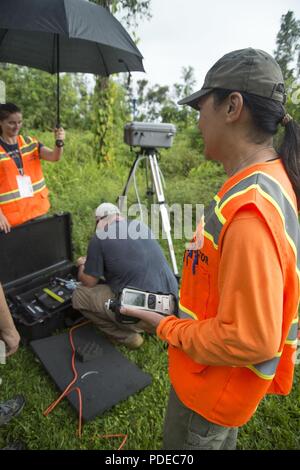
x: 78, y: 184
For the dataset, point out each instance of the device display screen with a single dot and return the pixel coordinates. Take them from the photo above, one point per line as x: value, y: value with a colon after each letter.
x: 136, y: 299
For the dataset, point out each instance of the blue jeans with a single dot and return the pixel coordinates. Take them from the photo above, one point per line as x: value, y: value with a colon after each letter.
x: 186, y: 430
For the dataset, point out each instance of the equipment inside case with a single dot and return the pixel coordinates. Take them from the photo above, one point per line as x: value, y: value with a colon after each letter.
x: 38, y: 303
x: 38, y: 275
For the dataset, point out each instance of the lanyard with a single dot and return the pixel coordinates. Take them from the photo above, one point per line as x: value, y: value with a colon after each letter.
x: 18, y: 155
x: 21, y: 168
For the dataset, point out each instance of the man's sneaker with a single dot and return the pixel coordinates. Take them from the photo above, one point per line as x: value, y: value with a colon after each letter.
x: 11, y: 408
x: 132, y: 342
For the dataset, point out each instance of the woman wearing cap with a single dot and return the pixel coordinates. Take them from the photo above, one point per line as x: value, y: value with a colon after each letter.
x: 23, y: 191
x: 236, y: 339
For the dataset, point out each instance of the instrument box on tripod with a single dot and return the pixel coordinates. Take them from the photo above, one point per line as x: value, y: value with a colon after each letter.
x: 149, y: 134
x: 38, y: 275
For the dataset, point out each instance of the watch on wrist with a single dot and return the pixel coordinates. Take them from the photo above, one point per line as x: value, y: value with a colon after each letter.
x: 59, y: 143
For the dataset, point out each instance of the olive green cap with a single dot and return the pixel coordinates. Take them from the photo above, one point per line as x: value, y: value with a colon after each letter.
x: 249, y: 70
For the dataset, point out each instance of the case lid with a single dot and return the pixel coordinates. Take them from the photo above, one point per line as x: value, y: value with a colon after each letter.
x: 32, y: 248
x: 150, y: 126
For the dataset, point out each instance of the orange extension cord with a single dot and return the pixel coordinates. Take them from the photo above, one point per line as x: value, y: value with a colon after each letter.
x: 69, y: 389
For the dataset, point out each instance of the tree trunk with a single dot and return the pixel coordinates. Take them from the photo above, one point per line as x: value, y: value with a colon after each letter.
x: 102, y: 111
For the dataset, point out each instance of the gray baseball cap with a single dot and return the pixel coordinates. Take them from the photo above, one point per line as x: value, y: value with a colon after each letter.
x: 105, y: 209
x: 249, y: 70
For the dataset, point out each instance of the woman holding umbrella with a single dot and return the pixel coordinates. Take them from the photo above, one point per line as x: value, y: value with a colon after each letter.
x: 23, y: 191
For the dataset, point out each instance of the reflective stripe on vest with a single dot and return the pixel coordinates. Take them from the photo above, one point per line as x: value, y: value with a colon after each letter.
x: 25, y: 149
x: 293, y: 333
x: 266, y: 370
x: 215, y: 222
x: 271, y: 190
x: 186, y: 314
x: 15, y: 195
x: 3, y: 157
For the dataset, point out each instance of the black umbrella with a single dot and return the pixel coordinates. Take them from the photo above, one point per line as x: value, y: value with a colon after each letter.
x: 65, y: 36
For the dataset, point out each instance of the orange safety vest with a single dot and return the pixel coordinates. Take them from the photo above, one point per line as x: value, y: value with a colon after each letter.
x: 230, y: 395
x: 16, y: 209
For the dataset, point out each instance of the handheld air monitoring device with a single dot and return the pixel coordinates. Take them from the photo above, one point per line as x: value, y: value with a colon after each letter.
x: 164, y: 304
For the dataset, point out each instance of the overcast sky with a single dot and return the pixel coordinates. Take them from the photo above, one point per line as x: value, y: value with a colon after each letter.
x: 196, y: 33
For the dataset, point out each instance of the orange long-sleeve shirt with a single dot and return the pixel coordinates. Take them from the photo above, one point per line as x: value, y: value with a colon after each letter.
x: 248, y: 326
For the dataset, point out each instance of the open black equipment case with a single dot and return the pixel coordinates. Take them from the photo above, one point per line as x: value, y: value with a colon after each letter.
x: 33, y: 256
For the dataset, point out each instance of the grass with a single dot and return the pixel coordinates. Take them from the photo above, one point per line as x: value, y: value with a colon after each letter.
x: 78, y: 185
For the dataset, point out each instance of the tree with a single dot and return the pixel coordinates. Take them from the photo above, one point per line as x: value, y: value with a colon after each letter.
x: 130, y: 10
x: 150, y: 100
x: 104, y: 102
x: 287, y: 55
x: 288, y: 46
x: 160, y: 103
x: 35, y: 92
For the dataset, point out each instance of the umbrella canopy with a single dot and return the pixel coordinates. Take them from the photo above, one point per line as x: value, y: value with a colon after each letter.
x: 65, y: 36
x: 91, y: 40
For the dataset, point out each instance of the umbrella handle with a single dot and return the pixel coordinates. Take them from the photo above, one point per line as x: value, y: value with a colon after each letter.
x: 59, y: 143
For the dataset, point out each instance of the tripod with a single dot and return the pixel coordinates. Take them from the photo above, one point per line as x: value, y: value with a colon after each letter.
x: 150, y: 154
